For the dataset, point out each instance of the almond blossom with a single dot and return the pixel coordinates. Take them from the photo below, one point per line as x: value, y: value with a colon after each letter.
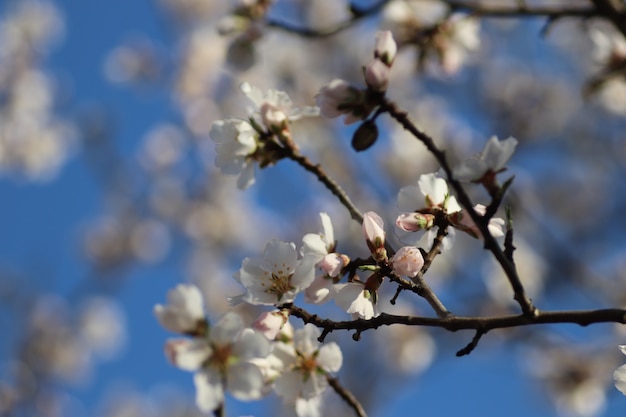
x: 356, y: 299
x: 431, y: 194
x: 274, y: 108
x: 278, y: 276
x: 321, y: 246
x: 307, y: 365
x: 341, y: 98
x: 407, y: 261
x: 184, y: 312
x: 419, y: 205
x: 620, y: 374
x: 220, y: 358
x: 236, y: 143
x: 490, y: 161
x: 374, y: 233
x: 270, y: 323
x: 463, y: 221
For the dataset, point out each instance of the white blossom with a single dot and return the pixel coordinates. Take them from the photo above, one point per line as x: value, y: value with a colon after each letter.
x: 461, y: 36
x: 620, y: 374
x: 491, y: 160
x: 221, y: 361
x: 385, y: 48
x: 307, y: 365
x: 320, y: 244
x: 465, y: 223
x: 355, y: 299
x: 274, y: 107
x: 184, y: 312
x: 236, y: 142
x: 278, y: 276
x: 431, y: 193
x: 339, y: 97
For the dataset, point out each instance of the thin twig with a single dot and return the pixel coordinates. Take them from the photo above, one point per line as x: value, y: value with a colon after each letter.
x: 471, y: 345
x: 325, y: 179
x: 346, y: 395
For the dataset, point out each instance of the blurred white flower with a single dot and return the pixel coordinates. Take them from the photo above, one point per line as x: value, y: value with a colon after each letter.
x: 274, y: 107
x: 236, y: 142
x: 460, y: 36
x: 462, y: 221
x: 307, y: 365
x: 340, y: 98
x: 490, y: 161
x: 620, y: 374
x: 184, y: 312
x: 222, y: 361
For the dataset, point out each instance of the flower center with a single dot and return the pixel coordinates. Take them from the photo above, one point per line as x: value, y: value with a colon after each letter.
x: 280, y: 284
x: 220, y: 357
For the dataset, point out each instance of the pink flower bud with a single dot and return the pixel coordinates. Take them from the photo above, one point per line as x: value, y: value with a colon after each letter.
x: 377, y: 75
x: 407, y: 261
x: 374, y: 234
x: 386, y: 48
x: 272, y: 116
x: 270, y: 323
x: 412, y: 222
x: 332, y: 263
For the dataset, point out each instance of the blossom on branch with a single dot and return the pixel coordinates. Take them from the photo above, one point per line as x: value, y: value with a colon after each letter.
x: 184, y: 312
x: 488, y: 163
x: 407, y: 261
x: 340, y: 98
x: 374, y: 232
x: 220, y: 358
x: 463, y: 221
x: 274, y: 108
x: 321, y: 246
x: 278, y: 276
x: 356, y: 299
x: 431, y: 193
x: 378, y: 71
x: 236, y: 143
x: 307, y: 365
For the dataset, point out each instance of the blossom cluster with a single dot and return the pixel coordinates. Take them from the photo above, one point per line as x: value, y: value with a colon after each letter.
x: 246, y: 361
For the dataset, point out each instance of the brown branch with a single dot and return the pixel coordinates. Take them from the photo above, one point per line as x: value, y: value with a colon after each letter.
x: 324, y: 178
x: 346, y: 395
x: 471, y: 345
x: 551, y: 12
x: 455, y: 323
x: 613, y: 10
x: 490, y: 242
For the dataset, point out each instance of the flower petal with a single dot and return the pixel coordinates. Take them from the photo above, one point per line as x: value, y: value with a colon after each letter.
x: 209, y: 390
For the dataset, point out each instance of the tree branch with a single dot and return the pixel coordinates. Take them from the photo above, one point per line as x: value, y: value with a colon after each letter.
x: 324, y: 178
x: 455, y: 323
x: 346, y: 395
x: 551, y: 12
